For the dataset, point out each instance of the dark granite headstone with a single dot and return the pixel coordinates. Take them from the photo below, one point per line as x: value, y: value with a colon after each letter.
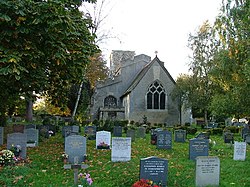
x: 75, y: 147
x: 18, y: 128
x: 228, y: 137
x: 90, y: 131
x: 20, y: 139
x: 30, y: 126
x: 155, y: 169
x: 32, y: 135
x: 198, y: 147
x: 131, y: 133
x: 244, y: 131
x: 180, y: 135
x: 117, y: 131
x: 141, y: 132
x: 164, y: 140
x: 1, y: 135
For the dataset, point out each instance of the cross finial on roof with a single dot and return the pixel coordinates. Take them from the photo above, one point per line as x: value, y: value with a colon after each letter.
x: 156, y: 52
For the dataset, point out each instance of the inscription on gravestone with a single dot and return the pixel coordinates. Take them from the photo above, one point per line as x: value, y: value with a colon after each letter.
x: 207, y: 171
x: 1, y: 135
x: 121, y: 149
x: 198, y: 147
x: 75, y: 147
x: 155, y: 169
x: 240, y: 150
x: 164, y: 140
x: 20, y: 139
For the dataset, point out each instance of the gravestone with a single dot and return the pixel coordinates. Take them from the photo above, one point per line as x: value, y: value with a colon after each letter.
x: 164, y: 140
x: 103, y: 140
x: 198, y: 147
x: 154, y: 135
x: 247, y: 138
x: 117, y: 131
x: 244, y: 131
x: 240, y: 150
x: 121, y: 149
x: 131, y: 133
x: 66, y: 130
x: 20, y: 139
x: 141, y: 132
x: 1, y: 135
x: 203, y: 135
x: 75, y: 129
x: 180, y: 135
x: 212, y: 125
x: 228, y: 137
x: 155, y: 169
x: 30, y: 126
x: 75, y: 147
x: 207, y: 171
x: 18, y: 128
x: 32, y: 135
x: 44, y: 131
x: 90, y: 131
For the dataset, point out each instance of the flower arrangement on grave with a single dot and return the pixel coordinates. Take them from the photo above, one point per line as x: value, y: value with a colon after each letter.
x: 16, y: 149
x: 6, y: 157
x: 145, y: 183
x: 85, y: 180
x: 102, y: 145
x: 65, y: 156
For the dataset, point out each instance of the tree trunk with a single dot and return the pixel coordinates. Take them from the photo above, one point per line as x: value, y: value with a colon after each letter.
x: 205, y: 117
x: 29, y: 110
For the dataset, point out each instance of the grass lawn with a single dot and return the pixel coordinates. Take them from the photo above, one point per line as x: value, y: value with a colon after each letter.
x: 44, y: 166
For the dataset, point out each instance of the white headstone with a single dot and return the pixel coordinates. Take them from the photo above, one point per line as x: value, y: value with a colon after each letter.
x: 121, y: 149
x: 240, y: 150
x: 207, y: 171
x: 103, y: 137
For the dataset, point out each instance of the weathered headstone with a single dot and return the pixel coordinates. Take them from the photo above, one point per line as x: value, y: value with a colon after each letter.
x: 240, y: 150
x: 75, y: 147
x: 164, y: 140
x: 203, y: 135
x: 20, y: 139
x: 90, y: 131
x: 141, y: 132
x: 117, y: 131
x: 228, y: 137
x: 18, y: 128
x: 131, y: 133
x: 32, y: 135
x: 207, y: 171
x: 1, y: 135
x: 30, y: 126
x: 75, y: 129
x: 198, y: 147
x: 66, y: 130
x: 244, y: 131
x: 103, y: 140
x: 180, y: 135
x: 121, y: 149
x: 155, y: 169
x: 247, y: 138
x: 154, y: 135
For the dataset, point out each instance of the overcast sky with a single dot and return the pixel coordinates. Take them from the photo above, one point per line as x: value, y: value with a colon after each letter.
x: 146, y: 26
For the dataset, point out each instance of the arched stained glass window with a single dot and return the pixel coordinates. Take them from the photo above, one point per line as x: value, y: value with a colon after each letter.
x: 156, y: 96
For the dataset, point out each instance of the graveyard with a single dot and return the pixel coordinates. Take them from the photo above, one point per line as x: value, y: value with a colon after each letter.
x: 175, y: 159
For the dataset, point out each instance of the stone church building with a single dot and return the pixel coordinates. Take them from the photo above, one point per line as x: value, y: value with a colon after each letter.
x: 137, y: 87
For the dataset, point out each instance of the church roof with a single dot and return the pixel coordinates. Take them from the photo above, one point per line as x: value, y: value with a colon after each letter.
x: 141, y: 74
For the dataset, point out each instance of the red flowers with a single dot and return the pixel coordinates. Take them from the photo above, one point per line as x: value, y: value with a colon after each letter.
x: 144, y: 183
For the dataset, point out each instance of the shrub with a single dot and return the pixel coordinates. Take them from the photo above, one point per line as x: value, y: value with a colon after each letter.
x: 6, y: 157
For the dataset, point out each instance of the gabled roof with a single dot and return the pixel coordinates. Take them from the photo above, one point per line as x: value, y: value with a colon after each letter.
x: 142, y: 73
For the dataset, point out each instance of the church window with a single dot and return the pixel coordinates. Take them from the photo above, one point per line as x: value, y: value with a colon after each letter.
x: 156, y: 96
x: 110, y: 102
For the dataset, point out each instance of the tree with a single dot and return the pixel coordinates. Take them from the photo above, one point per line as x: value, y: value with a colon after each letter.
x: 231, y: 66
x: 44, y: 47
x: 203, y: 45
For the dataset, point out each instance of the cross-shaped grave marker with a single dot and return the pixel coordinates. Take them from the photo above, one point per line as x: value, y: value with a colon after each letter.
x: 76, y: 166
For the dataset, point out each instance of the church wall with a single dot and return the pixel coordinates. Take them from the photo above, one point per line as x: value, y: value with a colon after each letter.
x: 138, y: 106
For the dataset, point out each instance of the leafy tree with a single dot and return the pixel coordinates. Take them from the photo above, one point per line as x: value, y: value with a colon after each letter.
x: 203, y: 45
x: 231, y: 66
x: 44, y: 47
